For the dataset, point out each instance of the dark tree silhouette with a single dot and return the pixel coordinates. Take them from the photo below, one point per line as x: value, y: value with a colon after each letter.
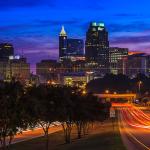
x: 11, y: 116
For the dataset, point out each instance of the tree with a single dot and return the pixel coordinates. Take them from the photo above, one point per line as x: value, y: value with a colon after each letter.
x: 11, y: 118
x: 108, y: 82
x: 43, y: 106
x: 87, y: 109
x: 145, y: 83
x: 65, y: 110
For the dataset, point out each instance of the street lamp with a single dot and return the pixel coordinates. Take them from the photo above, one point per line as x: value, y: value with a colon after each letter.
x: 139, y: 86
x: 84, y: 92
x: 107, y: 91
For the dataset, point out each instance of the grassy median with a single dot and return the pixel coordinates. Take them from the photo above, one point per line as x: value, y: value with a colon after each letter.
x: 104, y: 136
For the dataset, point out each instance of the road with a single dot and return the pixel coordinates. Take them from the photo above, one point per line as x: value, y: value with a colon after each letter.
x: 31, y: 134
x: 135, y: 128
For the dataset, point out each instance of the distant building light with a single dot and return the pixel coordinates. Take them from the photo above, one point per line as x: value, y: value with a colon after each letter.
x: 93, y: 23
x: 11, y: 57
x: 100, y: 29
x: 101, y: 24
x: 89, y: 72
x: 7, y: 46
x: 14, y: 57
x: 17, y: 57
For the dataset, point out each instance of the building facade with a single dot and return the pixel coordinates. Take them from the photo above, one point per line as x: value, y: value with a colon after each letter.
x: 75, y: 47
x: 70, y: 48
x: 97, y: 43
x: 115, y: 55
x: 47, y: 70
x: 133, y: 64
x: 17, y: 69
x: 62, y: 43
x: 6, y: 50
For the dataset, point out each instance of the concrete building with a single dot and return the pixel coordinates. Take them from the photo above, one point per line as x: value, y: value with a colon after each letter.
x: 115, y: 55
x: 70, y: 48
x: 6, y: 50
x: 133, y: 64
x: 47, y: 70
x: 97, y: 43
x: 15, y: 68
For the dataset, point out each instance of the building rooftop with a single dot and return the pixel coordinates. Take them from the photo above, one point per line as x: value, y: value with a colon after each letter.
x: 63, y: 32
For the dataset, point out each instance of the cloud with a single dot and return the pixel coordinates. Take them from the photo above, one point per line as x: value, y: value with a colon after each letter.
x: 36, y: 48
x: 49, y: 22
x: 131, y: 39
x: 139, y: 42
x: 36, y: 24
x: 127, y: 15
x: 4, y: 4
x: 131, y: 27
x: 59, y: 4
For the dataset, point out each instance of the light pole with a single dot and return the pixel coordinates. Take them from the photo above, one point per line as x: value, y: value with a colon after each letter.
x: 107, y: 91
x: 139, y: 86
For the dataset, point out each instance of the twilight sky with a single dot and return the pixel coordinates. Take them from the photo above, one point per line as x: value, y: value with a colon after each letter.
x: 33, y: 25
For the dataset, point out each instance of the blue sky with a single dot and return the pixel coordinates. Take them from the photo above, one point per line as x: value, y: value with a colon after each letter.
x: 33, y: 25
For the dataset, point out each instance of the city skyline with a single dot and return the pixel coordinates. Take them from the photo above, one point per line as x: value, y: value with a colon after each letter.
x: 33, y: 27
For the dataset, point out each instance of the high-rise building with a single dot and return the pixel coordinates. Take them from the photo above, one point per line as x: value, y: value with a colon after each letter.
x: 115, y: 55
x: 75, y: 47
x: 148, y: 65
x: 70, y: 48
x: 47, y: 70
x: 97, y: 43
x: 62, y: 43
x: 133, y: 64
x: 16, y: 68
x: 6, y: 50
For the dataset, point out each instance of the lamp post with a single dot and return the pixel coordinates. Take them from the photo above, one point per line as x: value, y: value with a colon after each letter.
x: 139, y: 86
x: 115, y: 93
x: 107, y: 91
x: 84, y: 92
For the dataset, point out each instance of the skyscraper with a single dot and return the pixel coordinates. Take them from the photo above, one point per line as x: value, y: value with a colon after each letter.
x: 75, y: 47
x: 6, y: 50
x: 17, y: 68
x: 69, y: 48
x: 97, y: 43
x: 134, y: 64
x: 62, y: 43
x: 115, y: 55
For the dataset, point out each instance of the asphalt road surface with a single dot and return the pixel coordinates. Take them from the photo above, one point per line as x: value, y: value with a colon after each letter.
x: 134, y: 127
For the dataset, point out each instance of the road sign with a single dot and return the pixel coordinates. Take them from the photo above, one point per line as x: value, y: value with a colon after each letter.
x: 112, y: 113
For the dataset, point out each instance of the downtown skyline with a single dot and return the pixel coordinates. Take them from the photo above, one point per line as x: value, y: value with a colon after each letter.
x: 33, y: 26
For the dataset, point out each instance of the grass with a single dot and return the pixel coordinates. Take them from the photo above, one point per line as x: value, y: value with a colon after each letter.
x: 102, y: 137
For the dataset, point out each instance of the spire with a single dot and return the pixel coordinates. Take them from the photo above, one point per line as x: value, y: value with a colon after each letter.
x: 63, y: 32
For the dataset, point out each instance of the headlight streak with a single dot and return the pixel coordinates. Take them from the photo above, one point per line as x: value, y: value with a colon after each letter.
x: 136, y: 118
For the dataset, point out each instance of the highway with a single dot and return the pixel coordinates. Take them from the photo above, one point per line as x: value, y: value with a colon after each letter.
x: 134, y: 127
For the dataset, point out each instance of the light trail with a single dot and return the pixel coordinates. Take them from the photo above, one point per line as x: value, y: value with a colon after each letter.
x: 134, y: 116
x: 135, y: 127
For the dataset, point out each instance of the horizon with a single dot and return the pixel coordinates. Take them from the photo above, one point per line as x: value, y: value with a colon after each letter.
x: 34, y: 26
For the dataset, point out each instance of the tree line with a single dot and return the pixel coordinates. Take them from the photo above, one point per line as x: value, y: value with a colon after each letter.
x: 120, y: 84
x: 22, y: 108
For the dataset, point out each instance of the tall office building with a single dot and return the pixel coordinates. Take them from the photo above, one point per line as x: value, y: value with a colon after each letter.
x: 62, y: 43
x: 6, y: 50
x: 148, y: 65
x: 115, y: 55
x: 47, y: 70
x: 15, y: 67
x: 69, y: 48
x: 97, y: 43
x: 75, y: 47
x: 133, y: 64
